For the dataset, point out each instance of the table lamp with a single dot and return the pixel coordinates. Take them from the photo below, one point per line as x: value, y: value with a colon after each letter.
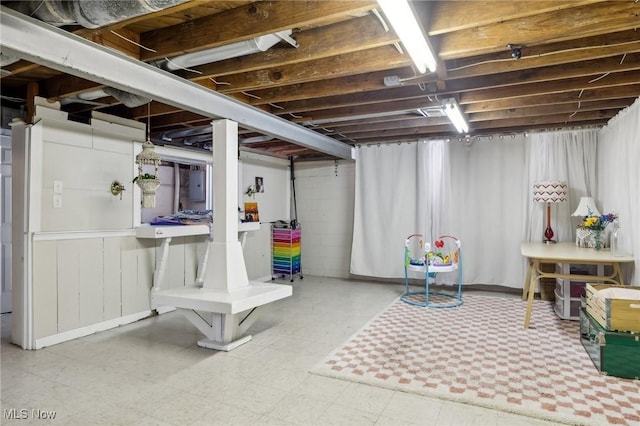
x: 549, y: 192
x: 586, y: 207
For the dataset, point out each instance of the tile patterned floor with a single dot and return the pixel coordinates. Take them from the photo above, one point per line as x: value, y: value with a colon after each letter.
x: 153, y: 373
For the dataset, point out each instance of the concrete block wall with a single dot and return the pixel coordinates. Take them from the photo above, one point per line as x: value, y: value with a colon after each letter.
x: 325, y: 194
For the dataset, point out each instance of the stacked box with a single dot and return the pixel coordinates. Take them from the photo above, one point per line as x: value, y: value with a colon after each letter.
x: 610, y: 313
x: 613, y: 353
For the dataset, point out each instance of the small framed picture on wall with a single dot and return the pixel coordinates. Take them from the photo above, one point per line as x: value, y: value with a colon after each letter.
x: 259, y: 184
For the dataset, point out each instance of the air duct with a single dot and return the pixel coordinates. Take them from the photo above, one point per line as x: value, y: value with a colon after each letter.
x: 129, y: 100
x: 88, y: 13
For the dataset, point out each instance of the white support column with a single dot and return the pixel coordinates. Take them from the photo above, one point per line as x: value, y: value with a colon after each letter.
x: 226, y: 271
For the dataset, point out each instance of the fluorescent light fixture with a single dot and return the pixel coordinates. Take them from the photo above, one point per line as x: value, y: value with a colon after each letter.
x: 454, y: 113
x: 406, y: 26
x: 233, y: 50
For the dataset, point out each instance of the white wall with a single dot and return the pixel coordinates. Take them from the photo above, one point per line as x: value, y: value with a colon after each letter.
x: 273, y: 204
x: 325, y: 194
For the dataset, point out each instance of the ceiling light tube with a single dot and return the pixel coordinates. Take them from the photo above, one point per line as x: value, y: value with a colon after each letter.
x: 406, y: 26
x: 454, y: 113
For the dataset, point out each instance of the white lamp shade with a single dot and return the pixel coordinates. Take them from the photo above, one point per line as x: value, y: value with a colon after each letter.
x: 549, y: 192
x: 587, y: 207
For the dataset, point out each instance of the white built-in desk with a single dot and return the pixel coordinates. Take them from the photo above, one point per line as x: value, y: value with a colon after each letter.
x: 223, y: 316
x: 167, y: 232
x: 538, y: 253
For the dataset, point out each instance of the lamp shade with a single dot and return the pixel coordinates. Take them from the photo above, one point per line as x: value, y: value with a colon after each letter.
x: 587, y: 207
x: 550, y: 192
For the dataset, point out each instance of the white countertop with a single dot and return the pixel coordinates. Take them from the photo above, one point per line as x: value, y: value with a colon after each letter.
x: 168, y: 231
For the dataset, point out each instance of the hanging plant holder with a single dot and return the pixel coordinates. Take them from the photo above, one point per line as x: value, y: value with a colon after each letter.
x: 148, y: 161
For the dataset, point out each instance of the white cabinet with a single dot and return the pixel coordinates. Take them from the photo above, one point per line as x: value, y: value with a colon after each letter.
x: 568, y: 293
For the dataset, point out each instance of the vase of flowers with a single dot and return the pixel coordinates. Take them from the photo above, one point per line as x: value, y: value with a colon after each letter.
x: 596, y: 225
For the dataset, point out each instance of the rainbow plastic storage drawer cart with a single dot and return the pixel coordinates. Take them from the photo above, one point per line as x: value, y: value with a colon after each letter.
x: 613, y: 353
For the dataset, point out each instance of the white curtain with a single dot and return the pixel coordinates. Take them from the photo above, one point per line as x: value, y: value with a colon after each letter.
x: 619, y: 179
x: 481, y: 191
x: 401, y: 189
x: 487, y: 210
x: 568, y: 156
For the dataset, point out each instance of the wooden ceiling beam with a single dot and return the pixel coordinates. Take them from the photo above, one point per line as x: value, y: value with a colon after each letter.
x: 557, y: 86
x: 248, y: 21
x: 572, y: 97
x: 329, y: 86
x: 386, y: 108
x: 592, y: 69
x: 410, y: 123
x: 550, y: 109
x: 317, y: 43
x: 336, y: 66
x: 585, y: 68
x: 448, y: 16
x: 523, y: 123
x: 600, y: 46
x: 584, y: 21
x: 359, y: 98
x: 499, y: 132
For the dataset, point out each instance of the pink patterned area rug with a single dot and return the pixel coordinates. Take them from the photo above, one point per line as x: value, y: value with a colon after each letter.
x: 480, y: 354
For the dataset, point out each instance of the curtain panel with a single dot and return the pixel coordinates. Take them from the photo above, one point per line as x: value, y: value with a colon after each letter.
x: 618, y: 180
x: 401, y: 189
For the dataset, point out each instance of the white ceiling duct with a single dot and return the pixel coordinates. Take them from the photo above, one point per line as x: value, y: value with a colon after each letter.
x: 233, y: 50
x: 88, y: 13
x: 129, y: 100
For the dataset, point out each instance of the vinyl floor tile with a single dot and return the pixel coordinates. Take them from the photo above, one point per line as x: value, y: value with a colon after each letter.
x: 152, y: 372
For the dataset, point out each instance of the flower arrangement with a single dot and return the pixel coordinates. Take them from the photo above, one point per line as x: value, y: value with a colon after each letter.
x: 598, y: 223
x: 590, y: 231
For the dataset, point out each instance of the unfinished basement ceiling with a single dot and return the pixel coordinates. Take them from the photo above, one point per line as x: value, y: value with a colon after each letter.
x: 578, y: 65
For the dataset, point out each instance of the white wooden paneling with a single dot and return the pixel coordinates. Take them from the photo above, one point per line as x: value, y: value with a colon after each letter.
x: 74, y: 214
x: 146, y: 264
x: 71, y: 164
x: 68, y: 285
x: 129, y: 265
x: 124, y: 128
x: 68, y: 133
x: 112, y: 280
x: 110, y: 142
x: 48, y: 110
x: 91, y: 281
x: 45, y: 289
x: 5, y: 221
